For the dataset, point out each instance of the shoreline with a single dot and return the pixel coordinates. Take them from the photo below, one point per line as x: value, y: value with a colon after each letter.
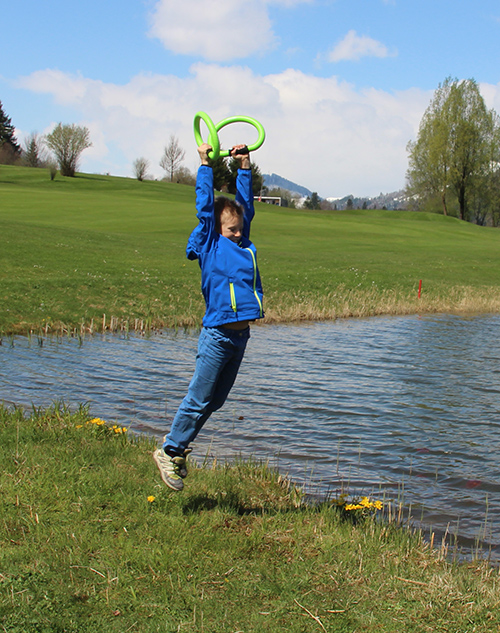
x: 283, y: 309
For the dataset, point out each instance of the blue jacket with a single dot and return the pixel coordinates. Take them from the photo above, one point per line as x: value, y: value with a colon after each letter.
x: 230, y: 279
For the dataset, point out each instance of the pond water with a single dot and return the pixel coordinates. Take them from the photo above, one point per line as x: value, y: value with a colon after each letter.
x: 400, y: 408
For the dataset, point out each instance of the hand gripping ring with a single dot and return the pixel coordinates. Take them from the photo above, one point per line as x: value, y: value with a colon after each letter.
x: 213, y: 138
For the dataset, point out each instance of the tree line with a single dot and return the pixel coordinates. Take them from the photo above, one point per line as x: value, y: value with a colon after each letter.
x: 453, y: 165
x: 224, y: 169
x: 61, y: 148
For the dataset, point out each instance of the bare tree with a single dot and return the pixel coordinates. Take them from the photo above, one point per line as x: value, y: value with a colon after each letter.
x: 141, y: 166
x: 68, y: 142
x: 173, y: 155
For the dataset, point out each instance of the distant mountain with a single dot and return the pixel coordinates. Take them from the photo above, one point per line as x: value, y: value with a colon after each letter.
x: 273, y: 181
x: 394, y: 200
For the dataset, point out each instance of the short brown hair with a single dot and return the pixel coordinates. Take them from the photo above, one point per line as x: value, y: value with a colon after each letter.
x: 226, y: 204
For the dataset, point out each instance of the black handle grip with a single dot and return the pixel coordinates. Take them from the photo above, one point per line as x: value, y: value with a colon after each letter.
x: 241, y: 151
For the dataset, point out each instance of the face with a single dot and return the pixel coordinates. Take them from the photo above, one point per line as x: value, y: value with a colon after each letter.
x: 231, y: 226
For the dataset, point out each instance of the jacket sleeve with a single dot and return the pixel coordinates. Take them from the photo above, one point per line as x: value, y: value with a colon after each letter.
x: 244, y: 195
x: 204, y: 232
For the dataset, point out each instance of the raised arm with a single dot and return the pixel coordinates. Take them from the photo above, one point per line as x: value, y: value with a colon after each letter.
x: 244, y: 186
x: 203, y: 233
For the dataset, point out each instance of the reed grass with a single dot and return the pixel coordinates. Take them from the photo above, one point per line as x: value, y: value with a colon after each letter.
x: 97, y: 253
x: 91, y: 540
x: 345, y: 302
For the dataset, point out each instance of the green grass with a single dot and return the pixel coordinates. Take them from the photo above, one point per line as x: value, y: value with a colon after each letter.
x: 75, y: 249
x: 83, y: 550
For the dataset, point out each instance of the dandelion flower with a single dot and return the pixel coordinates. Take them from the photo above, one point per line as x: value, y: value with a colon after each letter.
x: 151, y: 498
x: 97, y: 421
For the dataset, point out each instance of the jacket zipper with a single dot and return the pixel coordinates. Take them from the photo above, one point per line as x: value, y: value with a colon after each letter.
x: 255, y: 280
x: 233, y: 296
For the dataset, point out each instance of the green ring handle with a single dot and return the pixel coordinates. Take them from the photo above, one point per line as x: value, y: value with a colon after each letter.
x: 213, y: 138
x: 243, y: 119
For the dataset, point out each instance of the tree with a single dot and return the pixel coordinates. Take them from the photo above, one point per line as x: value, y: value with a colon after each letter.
x: 456, y: 146
x: 173, y: 155
x: 141, y: 166
x: 183, y: 176
x: 257, y: 180
x: 9, y: 147
x: 221, y: 173
x: 312, y: 202
x: 68, y: 142
x: 33, y: 155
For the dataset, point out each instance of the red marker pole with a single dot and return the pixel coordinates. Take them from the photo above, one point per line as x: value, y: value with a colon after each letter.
x: 419, y: 289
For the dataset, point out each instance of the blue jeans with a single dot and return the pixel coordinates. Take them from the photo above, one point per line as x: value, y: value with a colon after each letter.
x: 220, y: 352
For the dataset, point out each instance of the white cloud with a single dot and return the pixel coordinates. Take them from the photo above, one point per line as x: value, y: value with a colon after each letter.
x: 353, y: 47
x: 216, y: 30
x: 322, y: 133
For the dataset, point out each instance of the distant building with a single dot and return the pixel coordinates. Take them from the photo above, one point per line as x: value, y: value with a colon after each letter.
x: 276, y: 200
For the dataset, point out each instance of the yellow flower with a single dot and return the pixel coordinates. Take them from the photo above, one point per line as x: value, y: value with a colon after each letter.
x: 97, y: 421
x: 151, y: 498
x: 79, y: 426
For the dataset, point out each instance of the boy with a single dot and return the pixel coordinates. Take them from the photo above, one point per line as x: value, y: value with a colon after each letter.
x: 231, y: 286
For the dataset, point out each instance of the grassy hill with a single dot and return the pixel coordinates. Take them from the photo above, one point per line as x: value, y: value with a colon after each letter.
x: 80, y: 252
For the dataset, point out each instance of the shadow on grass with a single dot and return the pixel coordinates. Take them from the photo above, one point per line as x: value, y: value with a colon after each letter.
x: 226, y: 501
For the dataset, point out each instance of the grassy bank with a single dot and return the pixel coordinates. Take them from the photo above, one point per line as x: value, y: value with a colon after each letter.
x: 96, y: 252
x: 91, y: 540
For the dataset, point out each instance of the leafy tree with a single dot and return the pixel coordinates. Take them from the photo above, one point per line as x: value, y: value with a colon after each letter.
x: 9, y: 147
x: 68, y: 142
x: 173, y: 155
x: 141, y: 166
x: 457, y: 145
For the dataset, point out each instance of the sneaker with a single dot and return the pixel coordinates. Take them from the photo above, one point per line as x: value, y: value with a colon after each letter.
x: 183, y: 471
x: 170, y: 469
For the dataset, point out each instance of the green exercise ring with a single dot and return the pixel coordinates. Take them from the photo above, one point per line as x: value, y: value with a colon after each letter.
x: 243, y: 119
x: 213, y: 138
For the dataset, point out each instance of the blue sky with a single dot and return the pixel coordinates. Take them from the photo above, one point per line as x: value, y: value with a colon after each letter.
x: 339, y: 85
